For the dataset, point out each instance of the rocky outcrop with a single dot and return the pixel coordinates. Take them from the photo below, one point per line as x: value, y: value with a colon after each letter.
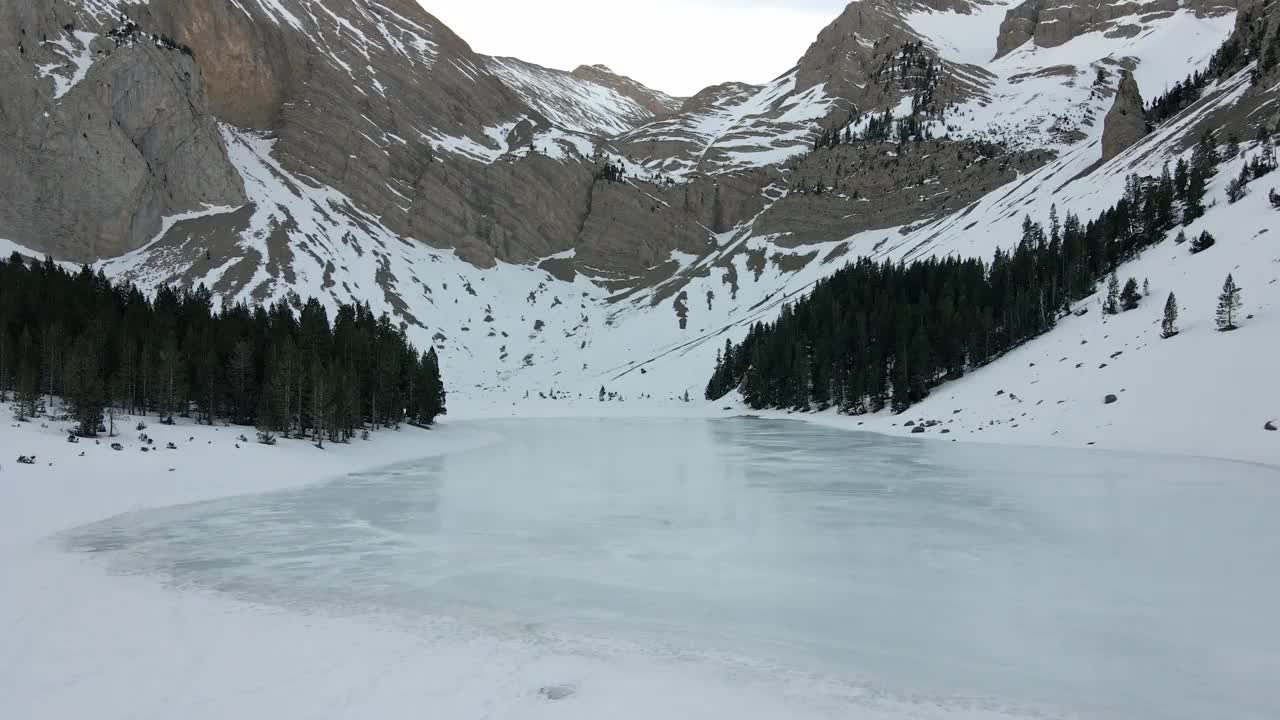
x: 1050, y: 23
x: 849, y: 189
x: 100, y: 139
x: 367, y: 98
x: 1126, y: 122
x: 1018, y: 27
x: 246, y: 64
x: 854, y: 58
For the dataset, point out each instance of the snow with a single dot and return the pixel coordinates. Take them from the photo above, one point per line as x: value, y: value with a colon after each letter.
x: 968, y: 38
x: 75, y: 47
x: 634, y: 344
x: 572, y: 104
x: 748, y: 126
x: 8, y: 247
x: 753, y: 568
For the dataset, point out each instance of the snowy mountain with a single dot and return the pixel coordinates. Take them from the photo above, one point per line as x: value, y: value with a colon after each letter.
x: 562, y: 230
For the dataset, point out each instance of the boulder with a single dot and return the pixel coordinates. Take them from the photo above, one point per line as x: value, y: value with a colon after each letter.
x: 1111, y: 399
x: 557, y: 692
x: 1271, y: 425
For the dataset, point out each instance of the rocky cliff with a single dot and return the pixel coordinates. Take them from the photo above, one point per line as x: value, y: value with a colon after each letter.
x: 1050, y: 23
x: 102, y: 137
x: 355, y: 149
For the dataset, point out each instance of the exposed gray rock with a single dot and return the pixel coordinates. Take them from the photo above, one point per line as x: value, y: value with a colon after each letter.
x: 1108, y: 400
x: 1051, y: 23
x: 92, y: 173
x: 873, y: 186
x: 658, y: 103
x: 557, y: 692
x: 1126, y: 122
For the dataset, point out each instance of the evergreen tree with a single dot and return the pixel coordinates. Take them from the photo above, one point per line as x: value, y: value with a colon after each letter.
x: 27, y: 404
x: 1229, y: 303
x: 1169, y: 325
x: 1203, y: 242
x: 1193, y: 203
x: 1146, y: 287
x: 1238, y: 187
x: 85, y: 394
x: 1129, y: 297
x: 1111, y: 305
x: 883, y: 334
x: 105, y: 347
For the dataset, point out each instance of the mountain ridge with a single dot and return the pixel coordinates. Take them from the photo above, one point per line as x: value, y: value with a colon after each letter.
x: 602, y: 238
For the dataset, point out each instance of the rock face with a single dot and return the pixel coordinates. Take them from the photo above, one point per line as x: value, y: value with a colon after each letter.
x: 873, y: 186
x: 1051, y: 23
x: 867, y: 42
x: 100, y: 139
x: 1126, y: 122
x: 375, y: 99
x: 659, y: 104
x: 324, y: 127
x: 1019, y: 26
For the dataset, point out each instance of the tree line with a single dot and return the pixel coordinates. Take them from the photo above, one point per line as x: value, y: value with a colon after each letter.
x: 881, y: 334
x: 107, y: 348
x: 1232, y: 56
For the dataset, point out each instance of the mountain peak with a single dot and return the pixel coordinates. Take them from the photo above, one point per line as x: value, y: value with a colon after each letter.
x: 655, y: 101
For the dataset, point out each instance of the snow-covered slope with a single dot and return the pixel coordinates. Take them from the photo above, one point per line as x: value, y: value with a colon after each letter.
x: 730, y: 127
x: 495, y: 244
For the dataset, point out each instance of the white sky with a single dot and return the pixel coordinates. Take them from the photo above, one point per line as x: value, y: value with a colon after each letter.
x: 678, y: 46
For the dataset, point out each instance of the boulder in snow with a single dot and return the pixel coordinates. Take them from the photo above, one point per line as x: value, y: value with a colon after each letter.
x: 557, y: 692
x: 1110, y: 399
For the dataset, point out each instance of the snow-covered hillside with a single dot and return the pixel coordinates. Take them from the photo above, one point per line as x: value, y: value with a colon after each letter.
x: 553, y: 324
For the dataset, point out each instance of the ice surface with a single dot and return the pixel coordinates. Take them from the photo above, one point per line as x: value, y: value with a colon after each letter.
x: 899, y: 578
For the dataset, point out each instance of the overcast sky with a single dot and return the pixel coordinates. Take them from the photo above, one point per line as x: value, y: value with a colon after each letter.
x: 678, y: 46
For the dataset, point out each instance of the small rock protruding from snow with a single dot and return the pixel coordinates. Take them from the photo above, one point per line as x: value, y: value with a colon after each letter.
x: 1110, y: 399
x: 557, y: 692
x: 1271, y: 425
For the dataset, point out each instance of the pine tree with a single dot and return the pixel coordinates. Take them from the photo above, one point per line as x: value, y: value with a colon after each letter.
x: 1193, y: 204
x: 1146, y: 287
x: 85, y: 395
x: 1238, y: 187
x: 1229, y: 303
x: 1129, y: 297
x: 434, y: 403
x: 1111, y: 305
x: 240, y: 373
x: 27, y: 403
x: 1169, y: 325
x: 1203, y: 242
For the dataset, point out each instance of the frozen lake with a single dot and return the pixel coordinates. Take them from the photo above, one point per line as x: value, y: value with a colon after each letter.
x: 1010, y: 581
